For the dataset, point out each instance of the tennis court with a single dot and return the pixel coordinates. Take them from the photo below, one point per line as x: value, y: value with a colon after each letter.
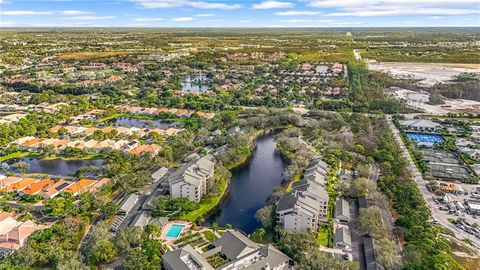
x: 425, y: 138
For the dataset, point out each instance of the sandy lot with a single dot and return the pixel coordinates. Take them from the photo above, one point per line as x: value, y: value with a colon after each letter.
x: 428, y: 73
x: 450, y: 106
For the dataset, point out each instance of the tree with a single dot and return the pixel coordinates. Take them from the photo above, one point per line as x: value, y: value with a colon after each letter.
x: 21, y: 166
x: 303, y: 248
x: 214, y: 227
x: 137, y: 260
x: 102, y: 251
x: 265, y: 215
x: 371, y: 222
x: 259, y: 234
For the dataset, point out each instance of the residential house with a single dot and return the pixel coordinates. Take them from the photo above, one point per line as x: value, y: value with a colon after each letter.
x: 342, y: 238
x: 191, y: 180
x: 420, y: 125
x: 7, y: 181
x: 99, y: 184
x: 342, y: 211
x: 37, y: 187
x: 17, y: 237
x: 55, y: 189
x: 79, y: 186
x: 22, y: 184
x: 158, y: 174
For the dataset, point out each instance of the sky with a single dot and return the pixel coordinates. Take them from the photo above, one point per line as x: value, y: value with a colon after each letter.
x: 232, y: 13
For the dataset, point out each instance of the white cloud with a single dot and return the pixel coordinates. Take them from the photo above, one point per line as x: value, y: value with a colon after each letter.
x: 184, y: 19
x: 437, y: 17
x: 148, y: 19
x: 402, y: 11
x: 208, y: 5
x: 75, y: 12
x: 307, y: 21
x: 205, y: 15
x: 185, y: 3
x: 91, y: 17
x: 245, y: 21
x: 24, y: 12
x: 298, y: 13
x: 272, y: 5
x: 362, y: 3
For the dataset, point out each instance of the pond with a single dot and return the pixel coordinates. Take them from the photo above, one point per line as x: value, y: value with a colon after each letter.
x: 142, y: 123
x: 251, y: 185
x: 58, y: 166
x: 195, y: 83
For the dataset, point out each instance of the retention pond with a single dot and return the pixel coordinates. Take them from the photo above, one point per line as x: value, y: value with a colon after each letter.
x: 251, y: 185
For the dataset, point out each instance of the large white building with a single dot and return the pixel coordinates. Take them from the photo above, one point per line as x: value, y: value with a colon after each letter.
x: 307, y: 204
x: 192, y: 180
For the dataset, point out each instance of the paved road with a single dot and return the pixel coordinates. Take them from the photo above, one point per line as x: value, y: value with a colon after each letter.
x: 440, y: 216
x: 374, y: 172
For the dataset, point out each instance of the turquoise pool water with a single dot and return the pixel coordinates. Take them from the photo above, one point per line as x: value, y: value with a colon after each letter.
x: 174, y: 230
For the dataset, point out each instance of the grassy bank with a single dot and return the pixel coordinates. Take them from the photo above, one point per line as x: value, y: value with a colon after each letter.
x: 16, y: 155
x: 52, y: 157
x: 208, y: 203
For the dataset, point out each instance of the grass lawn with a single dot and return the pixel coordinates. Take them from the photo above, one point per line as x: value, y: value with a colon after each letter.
x: 323, y: 237
x: 15, y: 155
x: 297, y: 177
x: 210, y: 236
x: 207, y: 204
x: 77, y: 157
x: 111, y: 117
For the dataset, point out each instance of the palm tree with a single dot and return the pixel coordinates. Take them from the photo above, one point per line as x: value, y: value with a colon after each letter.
x: 215, y: 227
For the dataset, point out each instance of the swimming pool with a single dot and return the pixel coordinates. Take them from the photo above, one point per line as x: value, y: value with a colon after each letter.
x: 425, y: 138
x: 174, y: 230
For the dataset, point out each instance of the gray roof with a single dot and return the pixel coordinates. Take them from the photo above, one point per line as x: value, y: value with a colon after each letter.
x: 185, y: 258
x: 160, y: 221
x: 311, y: 189
x: 266, y: 256
x: 129, y: 202
x: 300, y: 203
x: 194, y: 171
x: 141, y: 219
x: 233, y: 243
x: 342, y: 235
x: 370, y: 255
x: 422, y: 123
x: 159, y: 173
x: 342, y: 208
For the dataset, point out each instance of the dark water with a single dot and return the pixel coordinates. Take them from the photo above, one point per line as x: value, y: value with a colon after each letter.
x: 250, y: 186
x: 59, y: 166
x: 142, y: 123
x: 195, y: 83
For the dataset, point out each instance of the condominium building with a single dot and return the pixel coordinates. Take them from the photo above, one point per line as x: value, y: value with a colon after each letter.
x: 192, y: 180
